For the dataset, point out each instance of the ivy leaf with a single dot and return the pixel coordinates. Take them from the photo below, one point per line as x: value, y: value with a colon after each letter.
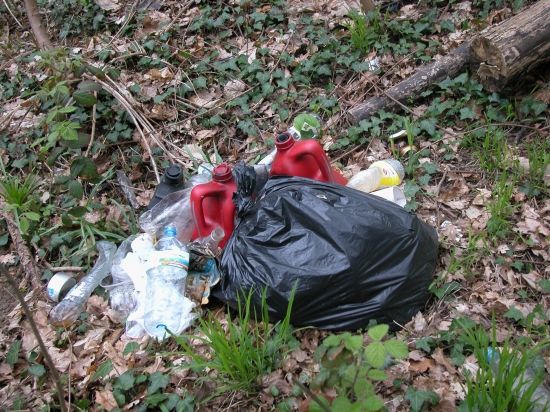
x: 125, y: 381
x: 378, y: 332
x: 545, y: 284
x: 375, y: 353
x: 396, y: 348
x: 200, y: 82
x: 467, y: 113
x: 324, y: 69
x: 448, y: 25
x: 428, y: 125
x: 155, y: 399
x: 120, y: 398
x: 157, y: 380
x: 37, y: 370
x: 411, y: 188
x: 129, y: 348
x: 103, y: 370
x: 514, y: 313
x: 416, y: 398
x: 425, y: 344
x: 13, y: 353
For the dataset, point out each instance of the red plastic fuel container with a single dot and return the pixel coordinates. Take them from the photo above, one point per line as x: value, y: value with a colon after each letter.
x: 212, y: 204
x: 304, y: 158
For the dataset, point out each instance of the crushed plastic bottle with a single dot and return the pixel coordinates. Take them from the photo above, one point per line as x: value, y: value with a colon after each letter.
x: 379, y: 175
x: 72, y: 305
x: 122, y: 292
x: 165, y: 287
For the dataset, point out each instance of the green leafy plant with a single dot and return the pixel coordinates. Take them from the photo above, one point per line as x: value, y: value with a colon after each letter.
x: 507, y: 377
x: 17, y: 193
x: 500, y: 206
x: 350, y: 367
x: 250, y: 348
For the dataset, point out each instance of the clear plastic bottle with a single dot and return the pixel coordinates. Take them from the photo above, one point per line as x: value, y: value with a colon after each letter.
x: 122, y: 293
x: 165, y: 288
x: 379, y: 175
x: 212, y: 240
x: 72, y: 305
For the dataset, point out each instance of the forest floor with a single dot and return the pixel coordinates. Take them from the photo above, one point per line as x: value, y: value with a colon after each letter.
x: 135, y: 87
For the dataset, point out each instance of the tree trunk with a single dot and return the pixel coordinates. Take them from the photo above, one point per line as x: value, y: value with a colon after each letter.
x: 503, y: 52
x: 38, y: 30
x: 450, y: 65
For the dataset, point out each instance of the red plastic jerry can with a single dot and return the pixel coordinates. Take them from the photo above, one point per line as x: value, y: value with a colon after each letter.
x: 304, y: 158
x: 212, y: 204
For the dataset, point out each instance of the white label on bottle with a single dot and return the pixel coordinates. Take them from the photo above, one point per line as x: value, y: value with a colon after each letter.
x: 176, y: 258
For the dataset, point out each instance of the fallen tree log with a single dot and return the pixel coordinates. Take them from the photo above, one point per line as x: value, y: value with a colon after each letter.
x: 450, y: 65
x: 503, y: 52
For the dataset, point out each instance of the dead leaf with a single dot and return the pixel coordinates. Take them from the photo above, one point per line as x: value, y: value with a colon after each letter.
x: 106, y: 400
x: 108, y: 4
x: 162, y: 74
x: 422, y: 366
x: 443, y: 360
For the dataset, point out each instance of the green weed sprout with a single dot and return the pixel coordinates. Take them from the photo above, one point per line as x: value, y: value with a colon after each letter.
x: 249, y: 349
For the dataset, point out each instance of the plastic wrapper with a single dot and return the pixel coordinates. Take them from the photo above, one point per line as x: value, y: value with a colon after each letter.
x: 174, y: 210
x: 354, y: 256
x: 66, y: 312
x: 122, y: 293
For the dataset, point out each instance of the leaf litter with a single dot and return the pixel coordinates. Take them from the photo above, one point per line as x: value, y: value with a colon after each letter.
x: 456, y: 206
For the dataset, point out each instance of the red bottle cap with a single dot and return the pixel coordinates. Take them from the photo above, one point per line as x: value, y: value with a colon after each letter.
x: 284, y: 141
x: 222, y: 173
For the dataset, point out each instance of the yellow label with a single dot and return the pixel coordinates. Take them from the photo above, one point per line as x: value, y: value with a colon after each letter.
x: 390, y: 177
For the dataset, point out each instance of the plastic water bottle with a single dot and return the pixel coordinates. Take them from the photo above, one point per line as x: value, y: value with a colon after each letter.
x: 73, y: 304
x: 165, y: 288
x: 381, y: 174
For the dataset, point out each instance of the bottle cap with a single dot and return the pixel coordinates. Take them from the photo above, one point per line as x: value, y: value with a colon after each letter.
x: 173, y: 175
x: 284, y: 141
x: 222, y: 173
x: 170, y: 231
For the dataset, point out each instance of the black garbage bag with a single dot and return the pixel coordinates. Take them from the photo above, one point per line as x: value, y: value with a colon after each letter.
x: 356, y: 256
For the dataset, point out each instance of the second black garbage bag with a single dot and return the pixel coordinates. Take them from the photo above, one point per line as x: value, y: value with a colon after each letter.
x: 356, y: 257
